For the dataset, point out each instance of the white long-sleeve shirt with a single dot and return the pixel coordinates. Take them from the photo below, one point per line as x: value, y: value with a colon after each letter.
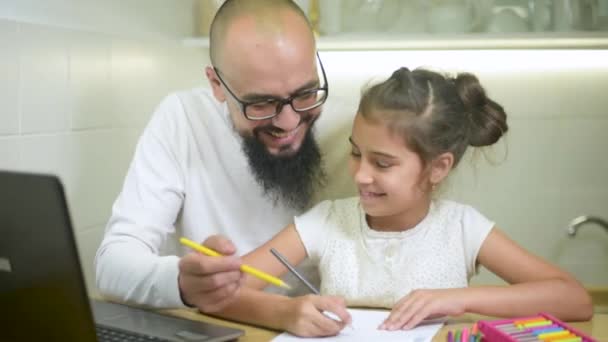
x: 189, y: 177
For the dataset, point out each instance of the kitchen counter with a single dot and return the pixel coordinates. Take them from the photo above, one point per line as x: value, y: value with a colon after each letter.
x: 600, y: 299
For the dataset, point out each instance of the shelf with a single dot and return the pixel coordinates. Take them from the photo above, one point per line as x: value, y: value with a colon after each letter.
x: 477, y: 41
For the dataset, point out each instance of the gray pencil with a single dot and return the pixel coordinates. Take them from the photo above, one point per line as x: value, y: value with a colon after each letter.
x: 293, y: 270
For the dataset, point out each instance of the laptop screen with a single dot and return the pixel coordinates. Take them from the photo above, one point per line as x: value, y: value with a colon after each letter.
x: 43, y: 295
x: 42, y: 292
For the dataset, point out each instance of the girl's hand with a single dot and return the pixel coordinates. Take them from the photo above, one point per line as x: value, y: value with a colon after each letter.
x: 305, y: 316
x: 420, y: 304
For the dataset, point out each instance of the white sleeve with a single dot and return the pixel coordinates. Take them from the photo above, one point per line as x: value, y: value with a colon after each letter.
x: 127, y: 264
x: 476, y: 228
x: 311, y: 226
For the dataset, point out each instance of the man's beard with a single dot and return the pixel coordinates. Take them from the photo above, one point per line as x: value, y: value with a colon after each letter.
x: 289, y: 179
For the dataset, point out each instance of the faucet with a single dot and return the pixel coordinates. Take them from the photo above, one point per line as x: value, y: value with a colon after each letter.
x: 581, y: 220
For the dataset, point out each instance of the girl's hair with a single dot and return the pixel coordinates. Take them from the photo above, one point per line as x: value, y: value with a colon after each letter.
x: 435, y: 113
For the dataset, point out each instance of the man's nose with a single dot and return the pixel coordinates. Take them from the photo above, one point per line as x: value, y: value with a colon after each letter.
x: 287, y: 119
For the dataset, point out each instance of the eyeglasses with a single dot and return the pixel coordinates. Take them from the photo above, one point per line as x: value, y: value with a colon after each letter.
x: 268, y: 108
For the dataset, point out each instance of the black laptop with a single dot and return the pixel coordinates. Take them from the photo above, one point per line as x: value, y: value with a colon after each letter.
x: 42, y: 291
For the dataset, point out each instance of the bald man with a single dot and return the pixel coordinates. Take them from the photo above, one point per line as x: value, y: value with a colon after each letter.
x: 228, y: 166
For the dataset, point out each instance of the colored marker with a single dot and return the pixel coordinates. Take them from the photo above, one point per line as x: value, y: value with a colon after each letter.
x: 465, y: 335
x: 537, y: 324
x: 565, y: 337
x: 547, y: 329
x: 569, y: 339
x: 475, y: 332
x: 475, y: 329
x: 450, y: 337
x: 553, y: 334
x: 525, y: 338
x: 510, y: 330
x: 535, y: 334
x: 523, y: 334
x: 529, y: 320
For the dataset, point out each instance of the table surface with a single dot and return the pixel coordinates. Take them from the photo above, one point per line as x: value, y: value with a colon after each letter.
x: 597, y: 327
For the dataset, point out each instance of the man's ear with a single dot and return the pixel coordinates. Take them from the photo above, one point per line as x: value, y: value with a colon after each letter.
x: 216, y: 85
x: 441, y: 166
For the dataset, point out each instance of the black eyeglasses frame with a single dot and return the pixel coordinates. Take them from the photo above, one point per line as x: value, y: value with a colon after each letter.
x: 281, y: 102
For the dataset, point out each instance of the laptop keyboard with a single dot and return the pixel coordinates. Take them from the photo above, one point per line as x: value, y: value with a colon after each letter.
x: 107, y: 334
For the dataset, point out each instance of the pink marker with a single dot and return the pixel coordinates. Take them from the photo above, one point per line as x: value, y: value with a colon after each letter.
x: 465, y: 335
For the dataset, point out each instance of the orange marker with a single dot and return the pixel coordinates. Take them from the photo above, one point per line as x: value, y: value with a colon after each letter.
x: 475, y: 329
x: 529, y: 320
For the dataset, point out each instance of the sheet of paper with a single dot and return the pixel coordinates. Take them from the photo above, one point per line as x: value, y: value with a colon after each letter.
x: 365, y: 323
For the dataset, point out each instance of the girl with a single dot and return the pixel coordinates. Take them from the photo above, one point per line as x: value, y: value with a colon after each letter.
x: 396, y: 247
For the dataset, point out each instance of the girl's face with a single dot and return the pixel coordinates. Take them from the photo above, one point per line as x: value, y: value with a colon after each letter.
x: 389, y: 176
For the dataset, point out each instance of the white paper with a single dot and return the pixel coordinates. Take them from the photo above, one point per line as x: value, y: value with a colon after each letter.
x: 366, y: 323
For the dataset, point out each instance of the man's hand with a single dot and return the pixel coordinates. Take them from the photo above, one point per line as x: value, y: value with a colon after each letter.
x: 210, y: 283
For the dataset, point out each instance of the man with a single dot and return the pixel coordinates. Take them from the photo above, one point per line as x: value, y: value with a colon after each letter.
x: 229, y: 168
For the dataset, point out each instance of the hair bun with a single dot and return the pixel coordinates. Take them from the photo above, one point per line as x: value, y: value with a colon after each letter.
x: 488, y: 118
x: 401, y: 72
x: 470, y: 91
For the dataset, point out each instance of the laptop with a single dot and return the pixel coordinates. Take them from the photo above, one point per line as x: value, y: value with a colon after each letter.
x: 43, y: 296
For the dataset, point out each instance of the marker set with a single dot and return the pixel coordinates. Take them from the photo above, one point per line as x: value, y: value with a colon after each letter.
x: 540, y: 328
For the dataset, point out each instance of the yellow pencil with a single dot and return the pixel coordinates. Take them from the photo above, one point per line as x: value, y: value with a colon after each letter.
x: 245, y: 268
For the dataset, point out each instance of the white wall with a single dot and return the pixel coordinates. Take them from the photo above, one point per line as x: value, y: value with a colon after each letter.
x: 78, y: 81
x: 149, y: 18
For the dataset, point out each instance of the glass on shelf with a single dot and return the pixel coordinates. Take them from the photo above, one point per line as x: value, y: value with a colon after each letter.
x: 458, y: 16
x: 445, y: 24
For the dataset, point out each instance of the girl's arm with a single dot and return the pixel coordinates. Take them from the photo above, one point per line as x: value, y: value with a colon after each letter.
x: 300, y: 315
x: 536, y: 284
x: 288, y: 243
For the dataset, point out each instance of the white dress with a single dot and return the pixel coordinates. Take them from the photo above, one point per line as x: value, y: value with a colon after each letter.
x: 376, y: 269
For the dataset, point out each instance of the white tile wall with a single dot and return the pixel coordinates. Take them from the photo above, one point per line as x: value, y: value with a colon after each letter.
x: 74, y: 101
x: 9, y: 69
x: 9, y: 152
x: 134, y: 80
x: 550, y: 174
x: 572, y: 91
x: 91, y: 164
x: 49, y: 153
x: 44, y: 79
x: 141, y: 18
x: 89, y: 84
